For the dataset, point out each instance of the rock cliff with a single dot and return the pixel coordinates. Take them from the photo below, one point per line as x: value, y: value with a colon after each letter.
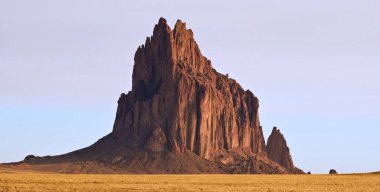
x: 176, y: 89
x: 182, y: 116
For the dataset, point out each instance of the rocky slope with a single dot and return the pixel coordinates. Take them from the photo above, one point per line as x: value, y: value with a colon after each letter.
x: 182, y: 116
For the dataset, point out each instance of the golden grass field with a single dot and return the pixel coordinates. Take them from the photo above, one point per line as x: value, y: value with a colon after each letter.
x: 96, y: 182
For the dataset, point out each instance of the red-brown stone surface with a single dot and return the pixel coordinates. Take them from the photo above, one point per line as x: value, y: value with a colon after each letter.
x: 278, y: 150
x: 176, y: 88
x: 182, y: 116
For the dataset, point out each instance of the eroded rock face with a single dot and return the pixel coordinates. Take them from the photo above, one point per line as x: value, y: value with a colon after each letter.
x: 181, y: 116
x: 278, y: 150
x: 176, y: 88
x: 157, y: 141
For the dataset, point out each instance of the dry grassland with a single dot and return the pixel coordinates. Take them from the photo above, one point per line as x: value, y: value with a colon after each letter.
x: 12, y: 181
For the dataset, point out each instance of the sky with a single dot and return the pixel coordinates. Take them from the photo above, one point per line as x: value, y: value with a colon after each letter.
x: 314, y: 65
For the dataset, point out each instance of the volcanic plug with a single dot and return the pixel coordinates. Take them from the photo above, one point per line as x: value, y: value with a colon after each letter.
x: 181, y: 116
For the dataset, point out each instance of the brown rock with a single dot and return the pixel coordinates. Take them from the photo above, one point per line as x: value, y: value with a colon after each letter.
x: 333, y: 172
x: 278, y: 150
x: 182, y: 116
x: 157, y: 141
x: 199, y: 109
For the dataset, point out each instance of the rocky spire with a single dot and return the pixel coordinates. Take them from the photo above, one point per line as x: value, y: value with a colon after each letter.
x: 278, y: 150
x: 175, y: 89
x: 182, y: 116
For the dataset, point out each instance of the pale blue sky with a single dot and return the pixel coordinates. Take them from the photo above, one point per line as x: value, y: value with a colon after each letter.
x: 313, y: 64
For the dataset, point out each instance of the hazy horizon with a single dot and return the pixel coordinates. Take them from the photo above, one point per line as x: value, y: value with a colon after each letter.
x: 313, y: 65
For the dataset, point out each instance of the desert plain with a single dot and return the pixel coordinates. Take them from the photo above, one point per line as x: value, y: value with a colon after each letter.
x: 12, y: 181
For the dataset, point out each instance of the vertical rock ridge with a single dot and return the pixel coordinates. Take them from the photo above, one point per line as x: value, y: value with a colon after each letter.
x: 198, y: 109
x: 203, y: 110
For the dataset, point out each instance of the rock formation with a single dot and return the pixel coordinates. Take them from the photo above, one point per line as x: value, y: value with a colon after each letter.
x: 176, y: 89
x: 182, y: 116
x: 333, y: 172
x: 278, y: 150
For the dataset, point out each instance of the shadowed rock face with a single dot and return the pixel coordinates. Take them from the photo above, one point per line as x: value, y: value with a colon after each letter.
x: 278, y: 150
x: 181, y: 116
x: 176, y: 88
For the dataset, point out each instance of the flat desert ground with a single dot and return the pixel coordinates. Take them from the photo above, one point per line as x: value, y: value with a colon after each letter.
x: 33, y: 181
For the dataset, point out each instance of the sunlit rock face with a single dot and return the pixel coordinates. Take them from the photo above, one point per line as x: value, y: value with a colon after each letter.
x: 181, y: 116
x: 176, y: 88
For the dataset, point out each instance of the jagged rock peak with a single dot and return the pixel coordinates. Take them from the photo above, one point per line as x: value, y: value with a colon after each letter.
x: 179, y: 25
x: 162, y: 21
x: 181, y: 116
x: 278, y: 150
x: 161, y: 26
x: 198, y: 109
x: 165, y: 52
